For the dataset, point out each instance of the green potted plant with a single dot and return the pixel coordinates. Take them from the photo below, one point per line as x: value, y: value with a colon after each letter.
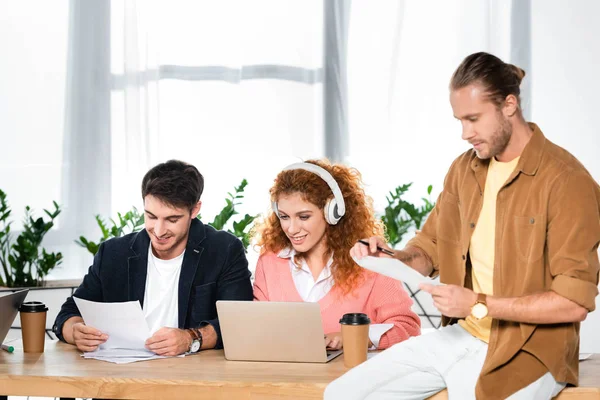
x: 400, y: 215
x: 133, y: 221
x: 241, y: 228
x: 25, y: 263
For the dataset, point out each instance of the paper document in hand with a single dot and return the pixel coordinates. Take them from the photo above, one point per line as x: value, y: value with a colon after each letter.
x: 124, y: 323
x: 395, y: 269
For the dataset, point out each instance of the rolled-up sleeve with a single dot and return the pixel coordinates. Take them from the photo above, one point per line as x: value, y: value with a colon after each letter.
x: 573, y: 238
x: 427, y: 238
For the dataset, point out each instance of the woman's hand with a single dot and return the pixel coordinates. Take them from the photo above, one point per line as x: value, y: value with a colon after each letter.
x: 333, y: 340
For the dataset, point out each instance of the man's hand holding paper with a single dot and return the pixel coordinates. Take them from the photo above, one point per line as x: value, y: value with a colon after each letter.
x: 451, y: 300
x: 169, y: 342
x: 87, y: 338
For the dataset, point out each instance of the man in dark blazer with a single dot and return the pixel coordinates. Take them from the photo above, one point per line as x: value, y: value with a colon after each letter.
x: 177, y: 268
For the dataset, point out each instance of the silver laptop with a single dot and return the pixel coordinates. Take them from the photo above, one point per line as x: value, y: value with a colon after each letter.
x: 273, y: 331
x: 9, y: 306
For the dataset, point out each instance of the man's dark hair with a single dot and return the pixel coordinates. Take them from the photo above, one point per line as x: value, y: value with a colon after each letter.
x: 175, y: 183
x: 499, y: 79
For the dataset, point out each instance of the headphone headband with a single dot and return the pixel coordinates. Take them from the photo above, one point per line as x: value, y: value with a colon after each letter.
x: 339, y: 207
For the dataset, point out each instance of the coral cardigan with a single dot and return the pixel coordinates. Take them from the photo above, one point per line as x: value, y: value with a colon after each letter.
x: 383, y: 299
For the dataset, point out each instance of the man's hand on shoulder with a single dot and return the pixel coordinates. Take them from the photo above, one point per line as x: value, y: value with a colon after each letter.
x: 169, y: 342
x: 87, y: 338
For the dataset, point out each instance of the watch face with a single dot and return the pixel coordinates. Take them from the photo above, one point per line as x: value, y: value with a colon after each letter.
x: 195, y: 346
x: 479, y: 310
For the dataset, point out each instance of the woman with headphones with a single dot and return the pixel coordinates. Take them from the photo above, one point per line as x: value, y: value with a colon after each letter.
x: 319, y: 212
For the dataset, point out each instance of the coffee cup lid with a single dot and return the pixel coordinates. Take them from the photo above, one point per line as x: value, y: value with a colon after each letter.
x: 355, y: 319
x: 33, y: 306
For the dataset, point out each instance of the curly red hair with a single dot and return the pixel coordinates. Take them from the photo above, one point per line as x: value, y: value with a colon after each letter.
x: 358, y: 222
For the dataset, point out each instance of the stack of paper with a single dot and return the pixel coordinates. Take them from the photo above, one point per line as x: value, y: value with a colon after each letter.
x: 126, y: 327
x: 121, y: 356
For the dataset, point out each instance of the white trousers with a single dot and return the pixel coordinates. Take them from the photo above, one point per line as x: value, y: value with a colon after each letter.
x: 420, y: 367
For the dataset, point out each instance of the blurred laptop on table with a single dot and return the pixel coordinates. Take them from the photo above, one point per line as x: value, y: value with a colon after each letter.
x: 9, y: 307
x: 273, y: 331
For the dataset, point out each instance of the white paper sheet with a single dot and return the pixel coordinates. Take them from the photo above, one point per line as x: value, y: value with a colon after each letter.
x: 124, y: 360
x: 377, y: 331
x: 395, y: 269
x: 124, y: 323
x: 122, y: 356
x: 126, y: 327
x: 119, y: 353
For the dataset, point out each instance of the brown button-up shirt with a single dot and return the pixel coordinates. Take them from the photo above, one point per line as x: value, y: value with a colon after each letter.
x: 547, y: 237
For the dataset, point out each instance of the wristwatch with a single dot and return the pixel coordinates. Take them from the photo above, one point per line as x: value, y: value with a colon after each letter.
x: 479, y: 309
x: 196, y: 340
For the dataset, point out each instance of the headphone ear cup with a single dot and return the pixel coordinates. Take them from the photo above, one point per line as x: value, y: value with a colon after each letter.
x: 330, y: 211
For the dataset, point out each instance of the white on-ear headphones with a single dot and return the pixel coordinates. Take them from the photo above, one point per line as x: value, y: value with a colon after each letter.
x: 334, y: 208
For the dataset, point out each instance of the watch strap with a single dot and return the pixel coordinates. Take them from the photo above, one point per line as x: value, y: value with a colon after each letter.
x: 196, y: 334
x: 481, y: 298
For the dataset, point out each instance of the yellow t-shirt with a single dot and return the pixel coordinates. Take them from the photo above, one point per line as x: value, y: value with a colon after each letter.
x: 483, y: 244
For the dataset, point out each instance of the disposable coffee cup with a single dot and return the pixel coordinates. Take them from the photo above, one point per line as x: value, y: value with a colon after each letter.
x: 355, y: 338
x: 33, y: 326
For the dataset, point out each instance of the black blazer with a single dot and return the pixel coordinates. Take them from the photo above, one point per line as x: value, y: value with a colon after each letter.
x: 214, y: 268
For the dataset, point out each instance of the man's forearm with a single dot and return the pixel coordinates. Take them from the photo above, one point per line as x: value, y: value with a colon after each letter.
x: 541, y: 308
x: 67, y: 329
x: 416, y: 259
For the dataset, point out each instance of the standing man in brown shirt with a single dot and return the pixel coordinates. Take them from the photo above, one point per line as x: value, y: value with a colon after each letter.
x: 514, y: 237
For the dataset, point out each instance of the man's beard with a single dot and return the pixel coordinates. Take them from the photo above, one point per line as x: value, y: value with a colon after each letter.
x: 499, y: 140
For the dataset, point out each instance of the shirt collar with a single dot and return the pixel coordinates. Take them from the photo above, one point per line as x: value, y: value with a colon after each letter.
x: 532, y: 154
x: 530, y: 158
x: 290, y: 252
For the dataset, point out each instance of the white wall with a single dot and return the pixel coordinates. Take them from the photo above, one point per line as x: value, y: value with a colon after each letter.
x: 566, y: 92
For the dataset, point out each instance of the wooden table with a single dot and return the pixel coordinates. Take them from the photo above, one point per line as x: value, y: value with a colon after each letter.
x: 61, y: 372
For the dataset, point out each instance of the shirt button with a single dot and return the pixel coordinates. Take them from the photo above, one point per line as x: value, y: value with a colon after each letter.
x: 463, y: 257
x: 532, y: 220
x: 472, y: 225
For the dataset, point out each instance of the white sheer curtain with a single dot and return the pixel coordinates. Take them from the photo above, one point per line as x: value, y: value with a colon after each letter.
x: 95, y: 93
x: 401, y: 55
x: 233, y: 87
x: 32, y: 81
x: 86, y: 142
x: 34, y: 163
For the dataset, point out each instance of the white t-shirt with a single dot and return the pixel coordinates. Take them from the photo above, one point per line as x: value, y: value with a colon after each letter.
x: 161, y: 298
